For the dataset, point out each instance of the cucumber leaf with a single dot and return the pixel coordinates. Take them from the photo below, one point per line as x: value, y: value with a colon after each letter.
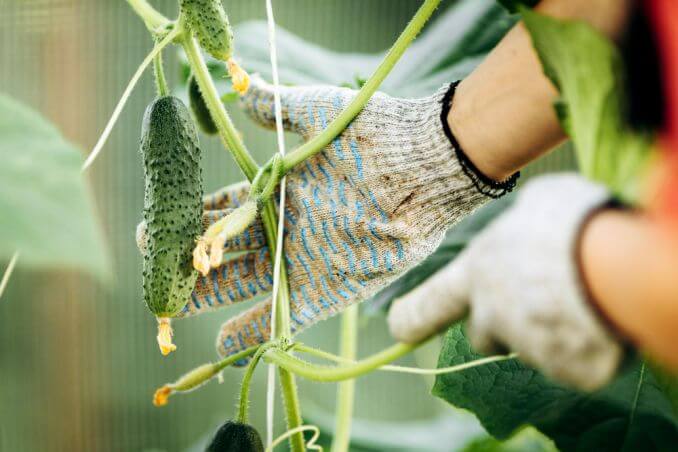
x: 632, y: 413
x: 448, y: 49
x: 586, y: 69
x: 46, y: 210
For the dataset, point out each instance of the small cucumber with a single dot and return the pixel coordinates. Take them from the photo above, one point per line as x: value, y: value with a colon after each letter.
x: 236, y: 437
x: 208, y: 21
x: 199, y: 108
x: 172, y: 204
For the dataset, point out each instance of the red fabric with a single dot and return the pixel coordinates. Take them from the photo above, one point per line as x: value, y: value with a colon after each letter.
x: 664, y: 17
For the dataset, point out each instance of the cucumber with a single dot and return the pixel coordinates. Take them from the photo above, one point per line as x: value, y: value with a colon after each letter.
x: 199, y: 108
x: 208, y: 21
x: 236, y: 437
x: 172, y: 205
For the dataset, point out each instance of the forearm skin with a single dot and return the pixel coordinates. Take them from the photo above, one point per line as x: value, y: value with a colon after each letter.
x: 629, y: 263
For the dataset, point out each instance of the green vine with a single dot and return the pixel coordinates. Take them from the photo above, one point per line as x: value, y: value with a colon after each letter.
x: 344, y: 371
x: 227, y: 131
x: 153, y: 20
x: 159, y: 72
x: 243, y: 404
x: 346, y: 389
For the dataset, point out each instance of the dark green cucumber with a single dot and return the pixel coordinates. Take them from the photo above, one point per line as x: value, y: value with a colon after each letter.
x: 236, y: 437
x: 199, y: 108
x: 172, y: 204
x: 209, y: 23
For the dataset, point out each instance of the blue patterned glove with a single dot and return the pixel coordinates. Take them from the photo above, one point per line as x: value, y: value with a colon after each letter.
x: 372, y: 204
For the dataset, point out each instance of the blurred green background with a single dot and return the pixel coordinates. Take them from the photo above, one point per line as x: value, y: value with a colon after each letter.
x: 78, y: 361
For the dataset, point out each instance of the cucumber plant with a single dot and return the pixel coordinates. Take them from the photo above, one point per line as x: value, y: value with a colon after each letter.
x: 172, y: 213
x: 207, y: 21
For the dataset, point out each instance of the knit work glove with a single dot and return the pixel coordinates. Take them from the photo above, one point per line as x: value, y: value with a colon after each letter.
x: 372, y: 204
x: 521, y: 281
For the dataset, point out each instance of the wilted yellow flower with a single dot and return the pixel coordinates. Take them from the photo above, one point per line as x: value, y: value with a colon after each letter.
x: 161, y: 395
x: 165, y: 336
x: 239, y: 78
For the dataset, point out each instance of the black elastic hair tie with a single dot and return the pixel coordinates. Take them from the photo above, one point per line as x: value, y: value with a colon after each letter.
x: 484, y: 184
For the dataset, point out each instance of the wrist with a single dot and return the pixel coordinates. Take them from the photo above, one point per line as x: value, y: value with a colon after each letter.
x: 460, y: 120
x: 488, y: 181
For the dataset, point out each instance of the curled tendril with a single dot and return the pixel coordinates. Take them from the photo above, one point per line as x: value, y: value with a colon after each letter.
x: 310, y: 444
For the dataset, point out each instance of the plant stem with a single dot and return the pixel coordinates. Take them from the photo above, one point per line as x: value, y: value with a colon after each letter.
x: 408, y: 370
x: 341, y: 372
x: 243, y: 404
x: 227, y: 132
x: 151, y: 17
x: 269, y: 217
x: 233, y: 143
x: 338, y: 125
x: 292, y: 412
x: 346, y: 389
x: 160, y: 81
x: 287, y: 383
x: 236, y: 357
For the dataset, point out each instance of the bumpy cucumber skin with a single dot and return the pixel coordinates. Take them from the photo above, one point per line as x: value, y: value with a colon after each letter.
x: 199, y: 108
x: 208, y: 21
x: 172, y: 204
x: 236, y: 437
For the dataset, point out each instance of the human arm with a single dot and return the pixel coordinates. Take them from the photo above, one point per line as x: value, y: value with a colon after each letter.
x: 502, y: 114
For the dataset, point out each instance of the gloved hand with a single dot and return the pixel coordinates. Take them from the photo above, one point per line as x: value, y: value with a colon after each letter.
x: 373, y: 203
x: 521, y: 281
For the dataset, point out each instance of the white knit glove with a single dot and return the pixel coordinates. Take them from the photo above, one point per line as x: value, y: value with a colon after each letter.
x: 521, y: 281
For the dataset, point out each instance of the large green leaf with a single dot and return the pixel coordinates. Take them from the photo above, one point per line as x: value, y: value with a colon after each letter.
x: 586, y: 69
x: 455, y: 241
x: 447, y: 50
x: 632, y: 413
x: 46, y: 213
